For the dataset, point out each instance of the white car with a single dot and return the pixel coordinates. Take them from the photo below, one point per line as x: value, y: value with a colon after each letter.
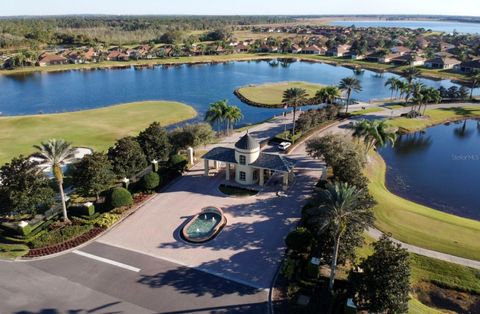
x: 284, y: 145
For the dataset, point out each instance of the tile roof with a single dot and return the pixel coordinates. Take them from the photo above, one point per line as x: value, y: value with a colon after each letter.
x: 247, y: 142
x: 274, y: 162
x: 222, y: 154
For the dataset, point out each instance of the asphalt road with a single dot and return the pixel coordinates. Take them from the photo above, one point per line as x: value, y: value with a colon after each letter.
x: 105, y: 279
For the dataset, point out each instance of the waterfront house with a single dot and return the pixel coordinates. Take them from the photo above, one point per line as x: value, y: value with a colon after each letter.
x: 468, y: 66
x: 441, y: 63
x: 314, y: 50
x: 51, y: 59
x: 248, y: 163
x: 339, y: 51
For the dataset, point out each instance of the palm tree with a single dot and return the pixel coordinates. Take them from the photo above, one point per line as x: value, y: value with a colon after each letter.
x: 232, y: 116
x: 350, y: 84
x: 404, y: 89
x: 216, y: 112
x: 294, y: 97
x: 393, y: 83
x: 375, y: 133
x: 474, y: 81
x: 340, y: 206
x: 327, y: 94
x: 417, y: 91
x: 54, y: 154
x: 410, y: 74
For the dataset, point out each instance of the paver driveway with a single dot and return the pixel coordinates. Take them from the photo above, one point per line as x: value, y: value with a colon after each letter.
x: 249, y: 247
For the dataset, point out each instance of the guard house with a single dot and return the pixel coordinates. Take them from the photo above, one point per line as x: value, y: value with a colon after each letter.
x: 251, y: 166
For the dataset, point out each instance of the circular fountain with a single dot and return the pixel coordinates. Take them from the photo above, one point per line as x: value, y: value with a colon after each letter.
x: 204, y: 226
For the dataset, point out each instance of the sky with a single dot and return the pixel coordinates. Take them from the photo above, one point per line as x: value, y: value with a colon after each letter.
x: 239, y: 7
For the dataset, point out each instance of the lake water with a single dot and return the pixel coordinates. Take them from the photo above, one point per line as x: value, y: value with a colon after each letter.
x: 196, y: 85
x: 439, y: 168
x: 438, y: 26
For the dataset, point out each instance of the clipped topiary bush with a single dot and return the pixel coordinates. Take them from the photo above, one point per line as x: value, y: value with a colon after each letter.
x: 82, y: 210
x: 151, y: 181
x: 178, y: 163
x: 120, y: 197
x: 300, y: 240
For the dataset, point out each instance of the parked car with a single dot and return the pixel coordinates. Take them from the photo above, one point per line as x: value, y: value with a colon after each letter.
x: 284, y: 145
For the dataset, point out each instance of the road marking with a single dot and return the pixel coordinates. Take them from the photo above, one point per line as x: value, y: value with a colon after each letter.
x: 106, y: 260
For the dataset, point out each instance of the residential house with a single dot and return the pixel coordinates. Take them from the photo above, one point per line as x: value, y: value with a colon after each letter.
x: 51, y: 59
x: 314, y: 50
x: 468, y: 66
x: 294, y: 49
x: 241, y: 48
x: 401, y: 50
x: 441, y: 63
x: 339, y: 51
x: 117, y: 55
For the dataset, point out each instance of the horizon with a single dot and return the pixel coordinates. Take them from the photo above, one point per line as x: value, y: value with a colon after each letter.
x: 31, y: 8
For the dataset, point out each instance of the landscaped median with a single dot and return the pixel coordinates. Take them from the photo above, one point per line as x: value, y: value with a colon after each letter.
x: 96, y: 128
x: 270, y: 95
x: 419, y: 225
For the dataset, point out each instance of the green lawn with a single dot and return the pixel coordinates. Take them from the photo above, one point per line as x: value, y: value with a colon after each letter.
x: 272, y: 93
x: 12, y: 250
x: 435, y: 116
x: 417, y: 224
x: 97, y: 128
x: 366, y: 111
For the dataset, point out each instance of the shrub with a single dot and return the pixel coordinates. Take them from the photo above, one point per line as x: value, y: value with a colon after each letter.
x: 82, y: 210
x: 178, y: 163
x: 25, y: 231
x: 107, y: 220
x: 120, y: 197
x: 300, y: 240
x: 59, y: 235
x: 151, y: 181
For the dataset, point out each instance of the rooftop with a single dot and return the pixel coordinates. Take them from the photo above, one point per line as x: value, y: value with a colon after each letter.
x: 247, y: 143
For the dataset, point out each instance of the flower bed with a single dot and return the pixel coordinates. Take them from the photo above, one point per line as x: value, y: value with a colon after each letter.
x: 69, y: 244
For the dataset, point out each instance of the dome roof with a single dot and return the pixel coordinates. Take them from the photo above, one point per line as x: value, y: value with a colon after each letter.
x: 247, y: 143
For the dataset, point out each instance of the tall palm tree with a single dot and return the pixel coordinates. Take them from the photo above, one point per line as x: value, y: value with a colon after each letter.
x: 216, y: 112
x: 233, y: 114
x: 393, y: 84
x: 375, y: 133
x: 54, y: 154
x: 327, y: 94
x: 340, y: 205
x: 474, y: 82
x: 410, y: 74
x: 294, y: 97
x: 417, y: 90
x: 404, y: 89
x: 350, y: 84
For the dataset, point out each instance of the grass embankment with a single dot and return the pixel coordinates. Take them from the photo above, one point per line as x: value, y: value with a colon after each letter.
x: 97, y: 128
x: 272, y: 93
x: 435, y: 116
x: 429, y: 270
x: 417, y: 224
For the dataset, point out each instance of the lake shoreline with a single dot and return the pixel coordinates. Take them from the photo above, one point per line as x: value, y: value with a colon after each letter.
x: 199, y: 60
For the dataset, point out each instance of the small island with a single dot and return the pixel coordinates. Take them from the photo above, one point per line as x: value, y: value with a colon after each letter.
x: 270, y: 95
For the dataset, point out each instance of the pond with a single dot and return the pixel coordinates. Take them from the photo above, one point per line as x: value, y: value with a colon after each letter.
x: 438, y: 167
x: 437, y: 26
x: 196, y: 85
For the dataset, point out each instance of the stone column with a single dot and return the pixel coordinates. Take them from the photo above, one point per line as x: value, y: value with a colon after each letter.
x: 215, y: 164
x: 191, y: 161
x: 261, y: 180
x: 206, y: 167
x: 227, y: 172
x: 285, y: 181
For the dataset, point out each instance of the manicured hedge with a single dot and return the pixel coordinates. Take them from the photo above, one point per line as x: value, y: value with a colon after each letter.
x: 178, y: 163
x: 81, y: 210
x: 151, y: 181
x: 59, y: 235
x: 120, y: 197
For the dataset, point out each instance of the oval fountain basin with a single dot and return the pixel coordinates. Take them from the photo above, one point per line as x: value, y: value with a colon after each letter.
x: 204, y: 226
